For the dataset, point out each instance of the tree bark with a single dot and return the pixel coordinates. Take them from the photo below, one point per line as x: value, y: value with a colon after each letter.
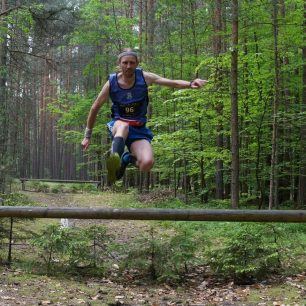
x: 273, y: 199
x: 302, y: 175
x: 217, y: 25
x: 234, y: 106
x: 3, y: 100
x: 204, y: 196
x: 140, y: 25
x: 150, y: 12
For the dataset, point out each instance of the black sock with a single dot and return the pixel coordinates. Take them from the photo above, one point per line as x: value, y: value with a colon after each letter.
x: 118, y: 145
x: 133, y: 159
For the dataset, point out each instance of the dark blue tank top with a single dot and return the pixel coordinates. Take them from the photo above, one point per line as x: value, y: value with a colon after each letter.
x: 129, y: 104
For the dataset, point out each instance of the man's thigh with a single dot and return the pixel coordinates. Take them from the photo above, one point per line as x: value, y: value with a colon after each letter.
x: 120, y: 128
x: 142, y: 149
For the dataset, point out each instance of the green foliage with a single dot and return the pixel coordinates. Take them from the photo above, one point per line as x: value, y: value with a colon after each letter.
x: 77, y: 105
x: 163, y: 257
x: 7, y: 230
x: 87, y: 248
x: 51, y: 243
x: 187, y: 122
x: 89, y: 188
x: 74, y: 249
x: 20, y: 18
x: 15, y: 199
x: 177, y: 41
x: 74, y: 188
x: 39, y: 186
x: 57, y: 188
x: 104, y: 21
x: 248, y: 252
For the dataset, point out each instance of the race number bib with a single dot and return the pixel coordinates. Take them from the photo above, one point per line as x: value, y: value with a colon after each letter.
x: 130, y: 110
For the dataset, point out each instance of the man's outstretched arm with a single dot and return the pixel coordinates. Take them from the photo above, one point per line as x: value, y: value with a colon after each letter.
x: 152, y: 78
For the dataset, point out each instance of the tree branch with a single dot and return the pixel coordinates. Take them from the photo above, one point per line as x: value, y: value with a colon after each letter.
x: 5, y: 13
x: 32, y: 54
x: 49, y: 61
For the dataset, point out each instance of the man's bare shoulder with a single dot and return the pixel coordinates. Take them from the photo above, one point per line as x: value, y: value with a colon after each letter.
x: 151, y: 77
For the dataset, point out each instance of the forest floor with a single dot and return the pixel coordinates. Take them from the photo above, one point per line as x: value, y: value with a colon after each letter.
x: 200, y: 287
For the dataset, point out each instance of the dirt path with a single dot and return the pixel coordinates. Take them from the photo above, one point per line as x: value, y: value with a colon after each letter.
x: 122, y: 230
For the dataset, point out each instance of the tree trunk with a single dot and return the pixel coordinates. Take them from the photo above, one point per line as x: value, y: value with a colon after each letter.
x: 194, y: 33
x: 217, y: 25
x: 185, y: 178
x: 174, y: 175
x: 204, y: 195
x: 9, y: 255
x: 140, y: 27
x: 131, y: 8
x: 273, y: 199
x: 302, y: 175
x: 234, y: 114
x: 3, y: 101
x: 150, y: 12
x: 260, y: 183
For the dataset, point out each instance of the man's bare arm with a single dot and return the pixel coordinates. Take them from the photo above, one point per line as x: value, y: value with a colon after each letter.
x: 152, y: 78
x: 100, y: 100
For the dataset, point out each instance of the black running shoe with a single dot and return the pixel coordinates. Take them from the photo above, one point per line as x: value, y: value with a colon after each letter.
x: 125, y: 160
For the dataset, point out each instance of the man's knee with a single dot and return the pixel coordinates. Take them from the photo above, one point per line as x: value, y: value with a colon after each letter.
x: 145, y: 165
x: 121, y: 129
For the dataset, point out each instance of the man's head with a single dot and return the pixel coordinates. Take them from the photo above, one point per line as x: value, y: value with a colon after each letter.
x: 127, y: 52
x: 128, y: 62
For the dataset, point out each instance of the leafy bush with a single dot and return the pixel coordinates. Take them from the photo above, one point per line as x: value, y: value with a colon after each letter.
x: 15, y: 199
x: 181, y: 254
x: 250, y: 251
x: 39, y: 187
x: 89, y: 187
x: 88, y: 247
x: 165, y: 258
x: 52, y: 242
x: 43, y: 187
x: 74, y: 248
x: 220, y: 204
x: 74, y: 188
x: 57, y: 188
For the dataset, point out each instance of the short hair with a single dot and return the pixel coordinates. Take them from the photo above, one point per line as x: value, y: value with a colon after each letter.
x: 126, y: 52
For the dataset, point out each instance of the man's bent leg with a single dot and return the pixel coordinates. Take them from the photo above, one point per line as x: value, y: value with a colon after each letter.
x: 120, y: 132
x: 142, y: 150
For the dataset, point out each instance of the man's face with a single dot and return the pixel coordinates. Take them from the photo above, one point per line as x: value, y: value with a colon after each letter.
x: 128, y: 64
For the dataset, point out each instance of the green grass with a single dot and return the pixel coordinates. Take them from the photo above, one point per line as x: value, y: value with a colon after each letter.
x: 283, y: 294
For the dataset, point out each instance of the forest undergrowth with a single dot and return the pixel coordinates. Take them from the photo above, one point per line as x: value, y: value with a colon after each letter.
x: 115, y: 262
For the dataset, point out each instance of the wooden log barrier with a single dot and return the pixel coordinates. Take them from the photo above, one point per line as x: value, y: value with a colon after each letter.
x: 297, y: 216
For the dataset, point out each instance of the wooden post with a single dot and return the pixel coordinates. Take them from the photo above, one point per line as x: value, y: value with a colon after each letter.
x: 22, y: 184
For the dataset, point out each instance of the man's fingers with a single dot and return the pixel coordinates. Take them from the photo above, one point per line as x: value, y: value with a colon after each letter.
x: 85, y: 144
x: 198, y: 83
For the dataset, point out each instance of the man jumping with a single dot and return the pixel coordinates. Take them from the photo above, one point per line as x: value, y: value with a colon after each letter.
x: 128, y: 90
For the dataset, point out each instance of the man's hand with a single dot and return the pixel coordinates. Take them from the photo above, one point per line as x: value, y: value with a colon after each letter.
x: 85, y: 143
x: 197, y: 83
